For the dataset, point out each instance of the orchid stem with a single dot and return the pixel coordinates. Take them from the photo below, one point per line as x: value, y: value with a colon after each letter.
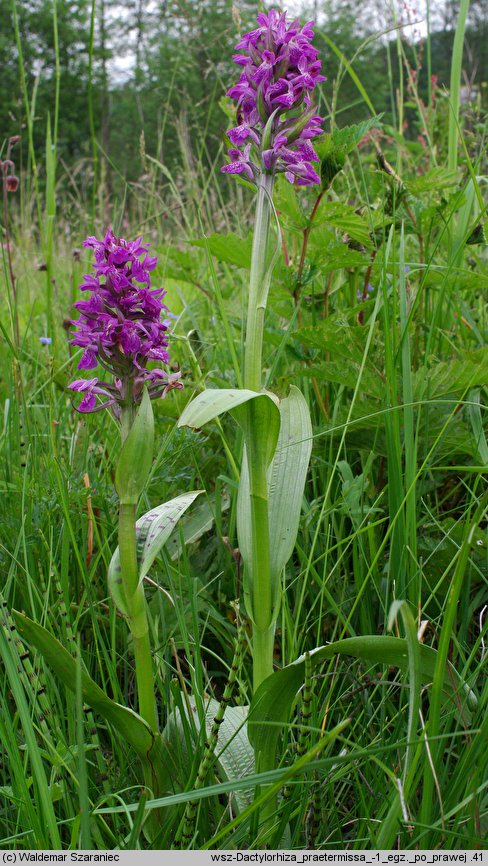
x: 259, y: 281
x: 137, y: 614
x: 262, y: 602
x: 135, y: 598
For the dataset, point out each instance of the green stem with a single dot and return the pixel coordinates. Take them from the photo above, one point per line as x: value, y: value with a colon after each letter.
x: 134, y: 590
x: 262, y: 596
x: 260, y: 277
x: 258, y: 285
x: 137, y: 618
x: 455, y: 85
x: 262, y: 653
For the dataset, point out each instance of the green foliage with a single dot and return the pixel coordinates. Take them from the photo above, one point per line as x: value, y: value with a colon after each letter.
x: 286, y: 481
x: 150, y: 748
x: 153, y: 530
x: 333, y: 148
x: 228, y: 248
x: 134, y: 463
x: 271, y: 704
x: 235, y: 756
x: 213, y: 402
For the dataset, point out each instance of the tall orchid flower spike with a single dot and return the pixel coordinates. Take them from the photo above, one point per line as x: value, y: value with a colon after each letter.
x: 277, y: 121
x: 276, y: 125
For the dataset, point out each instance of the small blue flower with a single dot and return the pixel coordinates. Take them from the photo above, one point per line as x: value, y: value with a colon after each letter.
x: 46, y: 341
x: 363, y: 294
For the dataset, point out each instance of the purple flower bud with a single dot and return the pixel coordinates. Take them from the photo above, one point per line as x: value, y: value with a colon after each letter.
x: 122, y: 325
x: 279, y: 72
x: 12, y: 182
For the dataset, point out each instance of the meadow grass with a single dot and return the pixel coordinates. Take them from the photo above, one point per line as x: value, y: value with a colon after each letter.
x: 394, y: 505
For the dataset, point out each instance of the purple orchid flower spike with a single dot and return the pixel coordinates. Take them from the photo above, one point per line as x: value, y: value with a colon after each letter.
x: 122, y: 326
x: 280, y: 69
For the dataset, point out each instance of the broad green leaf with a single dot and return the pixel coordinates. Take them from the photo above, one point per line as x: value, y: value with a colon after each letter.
x: 346, y: 373
x: 228, y: 248
x: 346, y: 138
x: 214, y: 402
x: 286, y: 481
x: 259, y: 417
x: 332, y: 148
x: 435, y: 179
x: 340, y: 334
x: 135, y: 459
x: 345, y: 218
x: 152, y: 532
x: 234, y: 754
x: 272, y: 702
x: 256, y: 413
x: 287, y: 204
x: 286, y: 478
x: 452, y: 377
x: 261, y: 421
x: 330, y: 253
x: 150, y: 747
x: 194, y: 525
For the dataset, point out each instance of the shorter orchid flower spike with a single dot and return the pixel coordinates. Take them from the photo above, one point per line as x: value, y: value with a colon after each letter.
x: 122, y: 326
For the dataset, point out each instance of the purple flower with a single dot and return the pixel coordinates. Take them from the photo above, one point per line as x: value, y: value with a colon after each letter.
x: 280, y: 68
x: 363, y: 294
x: 122, y: 325
x: 90, y: 389
x: 240, y: 163
x: 46, y: 341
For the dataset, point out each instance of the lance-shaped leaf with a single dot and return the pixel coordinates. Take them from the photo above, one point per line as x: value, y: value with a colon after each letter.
x: 135, y: 459
x: 286, y: 478
x: 234, y: 754
x: 196, y: 524
x: 272, y: 702
x: 153, y: 530
x: 151, y: 747
x: 259, y: 417
x: 286, y: 481
x: 215, y: 401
